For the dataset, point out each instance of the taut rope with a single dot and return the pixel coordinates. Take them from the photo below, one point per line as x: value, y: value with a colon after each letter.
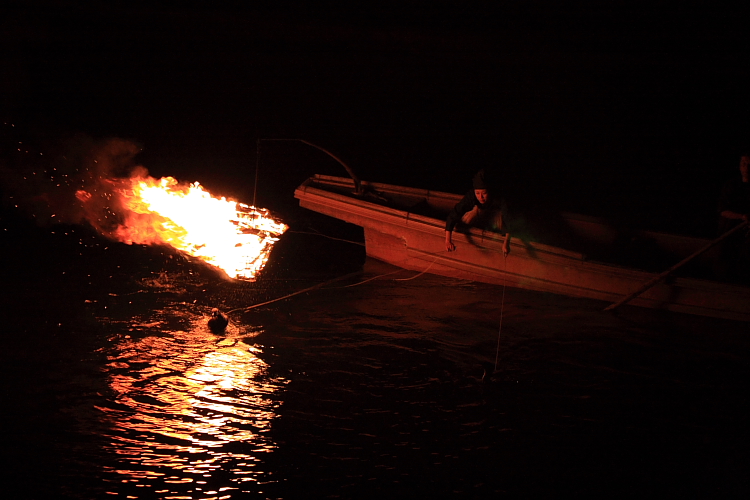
x: 502, y: 305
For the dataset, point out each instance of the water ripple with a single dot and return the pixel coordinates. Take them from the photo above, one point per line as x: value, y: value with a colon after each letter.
x: 185, y: 405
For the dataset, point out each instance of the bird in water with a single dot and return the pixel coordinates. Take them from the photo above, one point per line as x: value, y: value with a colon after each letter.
x: 218, y: 321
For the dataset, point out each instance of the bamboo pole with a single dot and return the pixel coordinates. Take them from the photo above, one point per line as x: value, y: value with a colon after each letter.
x: 357, y: 183
x: 672, y: 269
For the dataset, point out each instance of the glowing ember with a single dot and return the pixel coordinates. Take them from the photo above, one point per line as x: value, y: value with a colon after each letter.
x: 232, y: 236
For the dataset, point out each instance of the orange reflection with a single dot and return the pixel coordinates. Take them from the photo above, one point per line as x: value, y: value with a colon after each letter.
x: 185, y: 399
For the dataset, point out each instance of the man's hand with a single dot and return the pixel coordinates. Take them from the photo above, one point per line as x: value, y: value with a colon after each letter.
x: 448, y: 243
x: 469, y: 216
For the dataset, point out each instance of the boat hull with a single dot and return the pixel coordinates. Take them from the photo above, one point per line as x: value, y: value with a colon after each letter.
x: 408, y: 240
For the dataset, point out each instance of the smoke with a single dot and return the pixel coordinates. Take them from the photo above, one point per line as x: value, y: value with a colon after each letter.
x: 74, y: 180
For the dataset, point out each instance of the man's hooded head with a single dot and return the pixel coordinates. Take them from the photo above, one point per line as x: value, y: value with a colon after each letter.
x: 479, y: 181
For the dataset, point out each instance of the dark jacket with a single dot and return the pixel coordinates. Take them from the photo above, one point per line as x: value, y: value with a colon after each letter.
x: 467, y: 203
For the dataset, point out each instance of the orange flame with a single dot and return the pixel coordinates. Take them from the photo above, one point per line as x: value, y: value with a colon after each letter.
x: 232, y: 236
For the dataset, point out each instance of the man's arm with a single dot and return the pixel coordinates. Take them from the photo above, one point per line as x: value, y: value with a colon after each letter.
x: 448, y: 241
x: 463, y: 206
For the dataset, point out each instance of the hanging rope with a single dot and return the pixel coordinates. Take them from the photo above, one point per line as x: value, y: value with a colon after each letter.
x: 502, y: 305
x: 257, y: 166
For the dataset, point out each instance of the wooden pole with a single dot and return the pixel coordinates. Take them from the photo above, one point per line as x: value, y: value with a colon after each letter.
x: 672, y: 269
x: 357, y: 183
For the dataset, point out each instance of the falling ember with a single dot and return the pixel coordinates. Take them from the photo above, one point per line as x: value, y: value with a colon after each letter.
x: 232, y: 236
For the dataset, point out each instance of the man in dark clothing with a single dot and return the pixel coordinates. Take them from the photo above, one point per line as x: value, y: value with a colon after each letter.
x: 480, y: 208
x: 733, y: 208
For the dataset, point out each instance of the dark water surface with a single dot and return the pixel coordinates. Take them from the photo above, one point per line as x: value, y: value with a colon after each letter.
x: 114, y: 387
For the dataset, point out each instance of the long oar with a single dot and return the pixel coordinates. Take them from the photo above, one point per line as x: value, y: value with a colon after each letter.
x: 672, y: 269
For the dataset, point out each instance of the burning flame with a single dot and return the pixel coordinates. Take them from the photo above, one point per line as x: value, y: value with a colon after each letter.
x: 232, y: 236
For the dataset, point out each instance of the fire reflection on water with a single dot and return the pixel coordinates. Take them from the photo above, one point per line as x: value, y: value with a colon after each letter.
x: 186, y: 403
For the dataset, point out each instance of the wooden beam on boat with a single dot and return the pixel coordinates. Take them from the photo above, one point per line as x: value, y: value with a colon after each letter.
x: 674, y: 268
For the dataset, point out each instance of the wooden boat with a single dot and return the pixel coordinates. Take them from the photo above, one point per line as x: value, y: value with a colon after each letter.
x: 405, y: 227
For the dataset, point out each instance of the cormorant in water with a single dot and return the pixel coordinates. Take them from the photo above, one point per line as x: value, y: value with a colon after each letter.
x: 218, y: 321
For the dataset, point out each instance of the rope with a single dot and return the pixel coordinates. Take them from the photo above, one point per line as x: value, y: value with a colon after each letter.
x: 373, y: 278
x: 257, y: 167
x: 329, y: 237
x: 319, y: 285
x: 502, y: 305
x: 416, y: 276
x: 388, y: 274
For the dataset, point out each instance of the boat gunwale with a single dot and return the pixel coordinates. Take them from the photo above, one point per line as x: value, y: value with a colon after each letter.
x: 489, y: 237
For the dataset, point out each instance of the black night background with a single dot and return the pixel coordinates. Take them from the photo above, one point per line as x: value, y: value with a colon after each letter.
x: 630, y: 111
x: 597, y: 107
